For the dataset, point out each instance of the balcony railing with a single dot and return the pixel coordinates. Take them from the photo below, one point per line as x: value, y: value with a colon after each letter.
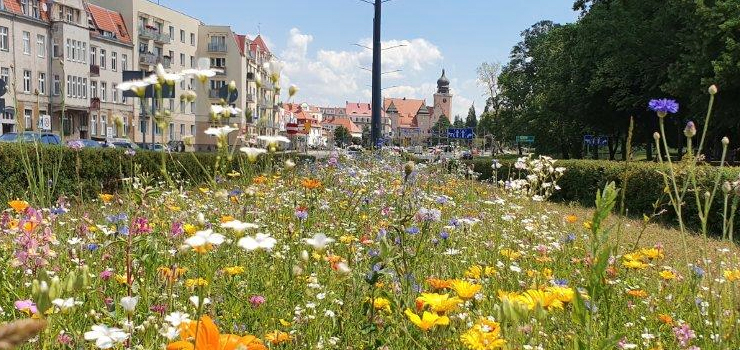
x: 213, y: 94
x: 94, y: 70
x: 216, y: 47
x: 95, y: 104
x: 151, y: 59
x: 154, y: 34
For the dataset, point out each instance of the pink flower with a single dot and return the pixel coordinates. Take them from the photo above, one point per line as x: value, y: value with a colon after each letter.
x: 256, y: 300
x: 27, y: 306
x: 140, y: 226
x: 684, y: 334
x: 106, y: 275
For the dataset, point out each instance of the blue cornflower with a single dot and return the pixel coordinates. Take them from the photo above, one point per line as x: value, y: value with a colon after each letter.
x: 441, y: 200
x: 561, y: 282
x: 663, y: 106
x: 698, y: 271
x: 444, y: 235
x: 92, y: 247
x: 412, y: 230
x: 381, y: 234
x: 373, y: 252
x: 454, y: 222
x: 123, y: 230
x: 58, y: 211
x: 235, y: 192
x: 569, y: 238
x: 435, y: 241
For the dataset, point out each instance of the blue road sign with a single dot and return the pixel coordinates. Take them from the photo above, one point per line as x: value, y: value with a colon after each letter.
x: 466, y: 133
x: 588, y: 139
x: 591, y: 140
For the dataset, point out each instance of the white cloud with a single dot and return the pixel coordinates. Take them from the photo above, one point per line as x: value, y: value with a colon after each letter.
x: 331, y: 77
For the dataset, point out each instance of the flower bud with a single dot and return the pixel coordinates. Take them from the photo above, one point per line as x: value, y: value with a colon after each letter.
x: 726, y: 187
x: 690, y: 130
x: 289, y: 164
x: 304, y: 256
x: 713, y: 90
x: 232, y: 86
x: 408, y: 168
x: 725, y: 141
x: 292, y: 90
x: 656, y: 136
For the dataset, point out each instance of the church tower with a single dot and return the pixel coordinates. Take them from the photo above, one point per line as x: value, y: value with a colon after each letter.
x: 442, y: 99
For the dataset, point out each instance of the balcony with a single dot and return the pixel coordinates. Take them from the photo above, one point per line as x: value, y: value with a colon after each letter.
x: 219, y: 70
x: 251, y: 76
x: 216, y: 47
x: 94, y: 70
x: 166, y: 61
x: 95, y: 104
x: 149, y: 33
x: 151, y: 59
x: 213, y: 94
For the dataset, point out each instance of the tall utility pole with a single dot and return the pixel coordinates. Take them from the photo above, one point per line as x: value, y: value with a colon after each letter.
x: 377, y: 101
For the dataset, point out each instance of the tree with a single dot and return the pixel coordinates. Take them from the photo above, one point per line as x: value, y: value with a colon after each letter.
x: 472, y: 120
x: 366, y: 137
x: 459, y: 123
x: 439, y: 130
x: 342, y: 136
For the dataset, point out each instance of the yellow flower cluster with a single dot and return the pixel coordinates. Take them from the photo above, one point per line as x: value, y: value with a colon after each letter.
x: 732, y: 275
x: 639, y: 260
x: 549, y: 298
x: 193, y: 282
x: 484, y: 335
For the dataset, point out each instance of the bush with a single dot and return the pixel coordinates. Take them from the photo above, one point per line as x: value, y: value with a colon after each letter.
x: 644, y: 186
x: 101, y: 170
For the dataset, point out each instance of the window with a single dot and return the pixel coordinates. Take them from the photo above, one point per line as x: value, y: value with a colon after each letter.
x: 192, y: 107
x: 27, y: 123
x: 114, y: 90
x: 24, y: 7
x: 70, y: 15
x: 172, y: 104
x: 103, y: 88
x: 4, y: 73
x: 74, y: 86
x: 124, y: 61
x: 35, y: 9
x: 74, y: 50
x: 172, y: 131
x: 84, y: 87
x: 93, y: 53
x: 69, y: 86
x: 172, y: 32
x: 83, y: 57
x: 218, y: 62
x: 182, y: 36
x: 182, y: 129
x: 125, y: 125
x: 94, y: 125
x: 192, y: 129
x: 42, y: 83
x: 102, y: 58
x: 182, y: 106
x: 192, y: 39
x: 192, y: 61
x: 27, y: 43
x: 41, y: 45
x: 142, y: 126
x: 26, y: 81
x: 182, y: 59
x: 103, y: 125
x: 113, y: 61
x: 4, y: 39
x: 60, y: 15
x: 57, y: 86
x: 93, y: 89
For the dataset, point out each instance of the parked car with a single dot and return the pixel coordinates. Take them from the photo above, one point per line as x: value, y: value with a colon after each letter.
x: 86, y: 143
x: 176, y: 146
x: 120, y: 143
x: 46, y: 138
x: 158, y: 147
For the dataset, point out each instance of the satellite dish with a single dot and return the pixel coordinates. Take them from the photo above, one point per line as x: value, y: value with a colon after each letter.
x: 43, y: 7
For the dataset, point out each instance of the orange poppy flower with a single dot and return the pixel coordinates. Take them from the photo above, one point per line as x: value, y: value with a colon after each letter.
x: 209, y: 338
x: 311, y: 184
x: 18, y: 205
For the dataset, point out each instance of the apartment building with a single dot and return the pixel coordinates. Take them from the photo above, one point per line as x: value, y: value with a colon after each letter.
x: 265, y: 112
x: 111, y: 51
x: 24, y: 62
x: 162, y: 35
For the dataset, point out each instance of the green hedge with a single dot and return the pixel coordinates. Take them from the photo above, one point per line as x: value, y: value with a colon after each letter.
x: 645, y: 185
x: 101, y: 169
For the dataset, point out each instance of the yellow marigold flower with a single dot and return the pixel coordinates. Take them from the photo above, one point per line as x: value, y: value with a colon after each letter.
x: 564, y: 294
x: 484, y: 335
x: 653, y: 253
x: 634, y: 264
x: 193, y: 282
x: 571, y: 219
x: 474, y: 272
x: 380, y: 303
x: 439, y: 303
x: 637, y: 293
x: 226, y: 218
x: 18, y: 205
x: 634, y: 256
x: 587, y: 225
x: 533, y: 297
x: 732, y: 275
x: 171, y: 274
x: 106, y: 197
x: 667, y: 275
x: 284, y: 323
x: 121, y: 279
x: 547, y: 273
x: 278, y: 337
x: 428, y: 319
x: 234, y: 270
x: 311, y: 184
x: 437, y: 283
x: 464, y: 289
x: 511, y: 254
x: 347, y: 239
x: 190, y: 229
x: 204, y: 189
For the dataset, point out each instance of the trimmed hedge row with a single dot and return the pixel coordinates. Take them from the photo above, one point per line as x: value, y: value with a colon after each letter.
x: 100, y: 169
x: 644, y: 186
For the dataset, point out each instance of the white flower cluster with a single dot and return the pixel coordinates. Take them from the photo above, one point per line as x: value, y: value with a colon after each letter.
x: 535, y: 178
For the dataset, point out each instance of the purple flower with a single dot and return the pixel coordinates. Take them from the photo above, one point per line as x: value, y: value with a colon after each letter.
x: 141, y: 226
x: 444, y: 235
x: 27, y: 306
x: 256, y: 300
x: 301, y: 213
x: 76, y: 145
x: 684, y: 334
x: 664, y: 106
x: 176, y: 229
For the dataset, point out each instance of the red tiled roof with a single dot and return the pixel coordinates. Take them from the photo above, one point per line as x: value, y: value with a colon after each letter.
x: 14, y: 6
x: 358, y: 109
x: 345, y: 122
x: 109, y: 21
x: 240, y: 40
x: 407, y: 109
x: 258, y: 42
x: 300, y: 114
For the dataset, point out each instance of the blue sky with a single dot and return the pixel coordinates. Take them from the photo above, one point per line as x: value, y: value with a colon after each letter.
x: 315, y: 40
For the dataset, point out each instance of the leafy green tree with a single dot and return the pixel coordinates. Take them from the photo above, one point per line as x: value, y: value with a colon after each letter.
x: 459, y: 123
x: 439, y: 130
x: 342, y: 136
x: 472, y: 120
